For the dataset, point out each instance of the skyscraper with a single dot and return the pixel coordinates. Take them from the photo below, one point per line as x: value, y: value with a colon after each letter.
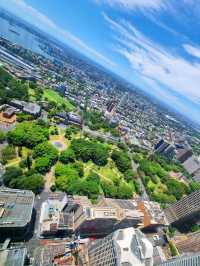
x: 123, y: 247
x: 186, y: 209
x: 165, y: 147
x: 192, y: 260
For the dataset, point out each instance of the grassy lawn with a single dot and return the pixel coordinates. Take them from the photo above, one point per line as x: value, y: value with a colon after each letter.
x: 14, y: 162
x: 108, y: 172
x: 53, y: 96
x: 31, y: 93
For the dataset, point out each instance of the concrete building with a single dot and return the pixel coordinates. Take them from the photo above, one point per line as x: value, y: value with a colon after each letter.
x: 123, y: 247
x: 153, y: 215
x: 188, y: 243
x: 192, y: 165
x: 53, y: 220
x: 101, y: 220
x: 165, y: 147
x: 55, y: 253
x: 16, y: 213
x: 13, y: 256
x: 74, y: 119
x: 109, y: 215
x: 7, y: 114
x: 189, y: 260
x: 186, y: 209
x: 184, y: 153
x: 27, y: 107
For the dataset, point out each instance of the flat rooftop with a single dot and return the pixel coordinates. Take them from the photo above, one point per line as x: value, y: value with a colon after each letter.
x: 15, y: 207
x: 13, y: 256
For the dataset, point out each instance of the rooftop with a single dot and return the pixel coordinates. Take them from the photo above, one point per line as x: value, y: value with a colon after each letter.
x: 133, y: 247
x: 13, y: 256
x: 15, y: 207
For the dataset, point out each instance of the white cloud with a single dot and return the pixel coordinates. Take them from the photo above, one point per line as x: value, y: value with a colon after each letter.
x: 32, y: 15
x: 154, y: 62
x: 134, y: 4
x: 192, y: 50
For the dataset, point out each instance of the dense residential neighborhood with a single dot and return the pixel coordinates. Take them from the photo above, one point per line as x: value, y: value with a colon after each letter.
x: 92, y: 171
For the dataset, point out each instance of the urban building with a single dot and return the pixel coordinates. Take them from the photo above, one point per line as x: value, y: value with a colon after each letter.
x: 110, y: 106
x: 165, y: 147
x: 101, y: 220
x: 108, y: 215
x: 56, y: 253
x: 74, y: 119
x: 154, y: 216
x: 7, y: 114
x: 13, y: 256
x: 188, y: 243
x: 27, y: 107
x: 184, y: 153
x: 54, y: 221
x: 16, y: 213
x: 186, y: 209
x: 123, y: 247
x: 192, y: 165
x: 189, y: 260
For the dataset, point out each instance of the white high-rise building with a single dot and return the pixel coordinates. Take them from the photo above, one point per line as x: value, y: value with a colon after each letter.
x: 124, y: 247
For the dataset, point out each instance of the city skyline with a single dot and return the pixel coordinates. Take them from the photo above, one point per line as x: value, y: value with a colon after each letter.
x: 149, y: 43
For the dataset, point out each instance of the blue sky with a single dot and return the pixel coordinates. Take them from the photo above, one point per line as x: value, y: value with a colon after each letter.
x: 152, y: 43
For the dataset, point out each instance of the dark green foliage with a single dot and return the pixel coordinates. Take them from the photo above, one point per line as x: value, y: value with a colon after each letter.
x: 137, y: 157
x: 28, y: 161
x: 122, y: 146
x: 115, y: 132
x: 121, y: 160
x: 11, y: 172
x: 109, y: 189
x: 152, y: 168
x: 137, y: 186
x: 163, y: 198
x: 24, y: 117
x: 42, y: 164
x: 79, y: 168
x: 124, y: 191
x: 90, y: 150
x: 176, y: 188
x: 33, y: 182
x: 2, y: 136
x: 67, y: 156
x: 53, y: 188
x: 46, y: 155
x: 95, y: 121
x: 194, y: 186
x: 23, y: 164
x: 173, y: 249
x: 65, y: 177
x: 46, y: 149
x: 70, y: 131
x: 8, y: 153
x: 171, y: 231
x: 129, y: 175
x: 28, y: 134
x: 10, y: 88
x: 88, y: 186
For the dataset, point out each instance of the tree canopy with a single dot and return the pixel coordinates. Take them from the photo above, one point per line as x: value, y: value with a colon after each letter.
x: 28, y: 134
x: 90, y: 150
x: 121, y: 160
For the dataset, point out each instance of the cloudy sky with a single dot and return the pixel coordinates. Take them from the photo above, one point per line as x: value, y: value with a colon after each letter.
x: 153, y: 43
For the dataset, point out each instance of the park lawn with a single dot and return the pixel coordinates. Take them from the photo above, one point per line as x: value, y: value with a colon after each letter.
x: 53, y: 96
x: 25, y: 152
x: 31, y: 94
x: 108, y: 172
x: 14, y: 162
